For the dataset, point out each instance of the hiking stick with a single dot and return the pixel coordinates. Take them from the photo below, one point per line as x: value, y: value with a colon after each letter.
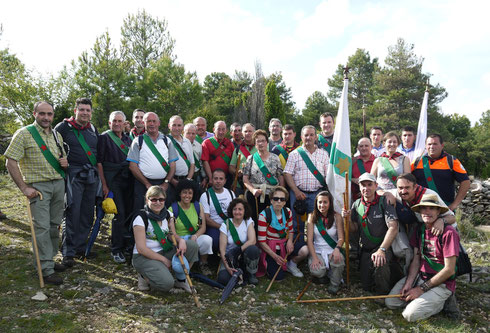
x: 347, y: 299
x: 280, y: 267
x: 194, y: 293
x: 304, y: 290
x: 233, y: 186
x: 346, y: 227
x: 257, y: 208
x: 34, y: 241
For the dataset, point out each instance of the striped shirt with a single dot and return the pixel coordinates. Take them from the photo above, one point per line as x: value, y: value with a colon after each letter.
x: 265, y: 231
x: 32, y: 163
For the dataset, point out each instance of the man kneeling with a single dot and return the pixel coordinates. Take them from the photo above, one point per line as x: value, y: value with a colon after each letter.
x: 431, y: 277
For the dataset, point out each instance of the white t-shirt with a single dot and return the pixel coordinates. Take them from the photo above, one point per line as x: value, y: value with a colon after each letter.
x: 224, y: 200
x: 151, y: 239
x: 241, y: 231
x: 181, y: 168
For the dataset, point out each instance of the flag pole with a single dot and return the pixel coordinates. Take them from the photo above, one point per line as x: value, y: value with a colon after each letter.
x: 346, y: 227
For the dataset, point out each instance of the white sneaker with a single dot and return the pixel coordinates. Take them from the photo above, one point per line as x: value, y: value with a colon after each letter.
x: 294, y: 270
x: 183, y: 285
x: 143, y: 285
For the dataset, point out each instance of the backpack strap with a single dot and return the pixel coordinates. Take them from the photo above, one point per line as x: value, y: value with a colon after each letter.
x: 175, y: 209
x: 268, y: 214
x: 140, y: 141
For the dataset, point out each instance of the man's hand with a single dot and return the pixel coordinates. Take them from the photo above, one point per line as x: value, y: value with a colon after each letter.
x: 437, y: 227
x: 300, y: 195
x: 164, y: 186
x: 30, y: 192
x: 390, y: 198
x: 63, y: 162
x: 378, y: 258
x: 413, y: 294
x: 105, y: 190
x: 289, y: 246
x: 257, y: 192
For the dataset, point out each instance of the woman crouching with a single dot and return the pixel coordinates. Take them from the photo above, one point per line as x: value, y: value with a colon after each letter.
x: 153, y: 254
x: 325, y: 233
x: 237, y: 243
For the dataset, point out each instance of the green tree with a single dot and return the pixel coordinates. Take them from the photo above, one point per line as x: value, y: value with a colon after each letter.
x: 316, y: 104
x: 272, y: 104
x: 477, y: 147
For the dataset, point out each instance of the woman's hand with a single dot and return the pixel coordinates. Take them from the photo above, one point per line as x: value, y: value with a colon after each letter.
x: 315, y: 263
x: 345, y: 212
x: 279, y: 260
x: 182, y: 247
x: 337, y: 256
x: 194, y: 238
x: 166, y: 262
x: 230, y: 270
x: 289, y: 246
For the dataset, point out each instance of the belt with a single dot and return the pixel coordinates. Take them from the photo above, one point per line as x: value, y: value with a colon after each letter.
x: 180, y: 177
x: 309, y: 192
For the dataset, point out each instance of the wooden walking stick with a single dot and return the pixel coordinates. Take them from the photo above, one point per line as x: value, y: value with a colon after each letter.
x: 235, y: 181
x: 34, y: 241
x: 193, y: 290
x: 346, y: 227
x: 325, y: 300
x: 304, y: 290
x: 280, y: 267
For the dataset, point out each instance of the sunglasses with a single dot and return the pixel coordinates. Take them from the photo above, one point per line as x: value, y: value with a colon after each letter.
x: 157, y: 199
x: 279, y: 199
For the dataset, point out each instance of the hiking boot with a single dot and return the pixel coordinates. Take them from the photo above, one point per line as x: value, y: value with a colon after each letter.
x: 183, y: 285
x: 143, y: 284
x: 53, y: 279
x: 451, y: 308
x: 68, y: 262
x: 118, y: 257
x: 294, y: 270
x: 205, y: 269
x: 252, y: 279
x: 59, y: 267
x: 333, y: 290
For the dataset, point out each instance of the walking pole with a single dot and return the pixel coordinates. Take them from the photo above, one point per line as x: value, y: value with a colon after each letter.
x: 347, y: 299
x: 235, y: 181
x: 346, y: 227
x: 193, y: 290
x: 34, y: 241
x: 304, y: 290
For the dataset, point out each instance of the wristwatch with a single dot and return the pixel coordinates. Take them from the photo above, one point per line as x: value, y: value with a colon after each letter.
x: 383, y: 249
x: 165, y: 181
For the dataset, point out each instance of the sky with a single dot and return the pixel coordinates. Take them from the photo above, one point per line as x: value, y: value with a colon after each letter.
x: 304, y: 40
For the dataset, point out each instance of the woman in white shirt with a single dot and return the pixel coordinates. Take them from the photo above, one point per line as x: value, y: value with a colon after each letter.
x: 237, y: 243
x: 154, y: 251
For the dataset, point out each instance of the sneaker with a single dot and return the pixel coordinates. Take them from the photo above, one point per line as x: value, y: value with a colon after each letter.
x: 118, y: 257
x: 451, y: 308
x: 183, y: 285
x: 143, y: 285
x: 333, y: 290
x: 59, y: 267
x: 205, y: 269
x: 252, y: 279
x: 53, y: 279
x: 294, y: 270
x: 68, y: 262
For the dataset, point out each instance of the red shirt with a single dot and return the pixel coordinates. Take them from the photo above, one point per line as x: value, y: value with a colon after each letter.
x: 356, y: 173
x: 209, y: 153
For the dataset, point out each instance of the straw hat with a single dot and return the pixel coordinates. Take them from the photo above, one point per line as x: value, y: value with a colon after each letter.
x: 429, y: 200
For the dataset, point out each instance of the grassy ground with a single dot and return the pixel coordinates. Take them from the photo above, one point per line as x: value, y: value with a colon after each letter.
x: 102, y: 296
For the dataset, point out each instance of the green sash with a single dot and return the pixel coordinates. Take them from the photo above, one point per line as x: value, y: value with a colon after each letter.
x: 181, y: 151
x: 45, y: 150
x: 234, y: 233
x: 390, y: 171
x: 131, y: 136
x: 222, y: 154
x: 155, y: 152
x: 311, y: 166
x: 118, y: 142
x: 161, y: 236
x: 267, y: 174
x: 185, y: 220
x: 361, y: 210
x: 360, y: 165
x: 85, y: 147
x: 283, y: 152
x: 325, y: 144
x: 324, y: 233
x: 434, y: 265
x: 428, y: 174
x: 196, y: 162
x: 216, y: 204
x: 199, y: 139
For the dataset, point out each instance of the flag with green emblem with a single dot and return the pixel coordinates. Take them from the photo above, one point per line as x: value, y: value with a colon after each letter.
x: 340, y: 154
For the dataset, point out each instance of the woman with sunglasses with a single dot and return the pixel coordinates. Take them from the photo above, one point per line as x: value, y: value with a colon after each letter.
x: 190, y: 221
x: 237, y: 243
x: 325, y: 233
x: 154, y: 252
x: 262, y: 172
x: 275, y: 236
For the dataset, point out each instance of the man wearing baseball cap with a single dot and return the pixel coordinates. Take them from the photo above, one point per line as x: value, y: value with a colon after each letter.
x: 431, y: 277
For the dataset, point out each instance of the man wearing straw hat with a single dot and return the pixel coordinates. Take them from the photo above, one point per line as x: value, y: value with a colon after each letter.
x: 431, y: 277
x: 36, y: 163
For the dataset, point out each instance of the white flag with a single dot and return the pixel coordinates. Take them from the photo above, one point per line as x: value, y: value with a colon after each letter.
x: 422, y: 129
x: 340, y: 154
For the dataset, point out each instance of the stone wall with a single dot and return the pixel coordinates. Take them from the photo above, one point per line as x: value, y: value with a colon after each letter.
x: 477, y: 201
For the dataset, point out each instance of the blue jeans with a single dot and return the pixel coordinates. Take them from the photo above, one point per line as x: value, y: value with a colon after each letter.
x: 310, y: 200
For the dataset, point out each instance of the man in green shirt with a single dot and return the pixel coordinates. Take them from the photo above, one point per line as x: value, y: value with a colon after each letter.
x: 36, y: 163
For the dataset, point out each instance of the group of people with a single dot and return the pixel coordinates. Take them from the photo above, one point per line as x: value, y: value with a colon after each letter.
x: 255, y: 202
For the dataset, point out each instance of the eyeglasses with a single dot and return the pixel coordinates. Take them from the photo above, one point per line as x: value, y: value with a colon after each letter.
x: 157, y: 199
x: 279, y: 199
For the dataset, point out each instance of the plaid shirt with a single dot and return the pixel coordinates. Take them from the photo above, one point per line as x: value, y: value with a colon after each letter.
x: 302, y: 176
x: 33, y: 165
